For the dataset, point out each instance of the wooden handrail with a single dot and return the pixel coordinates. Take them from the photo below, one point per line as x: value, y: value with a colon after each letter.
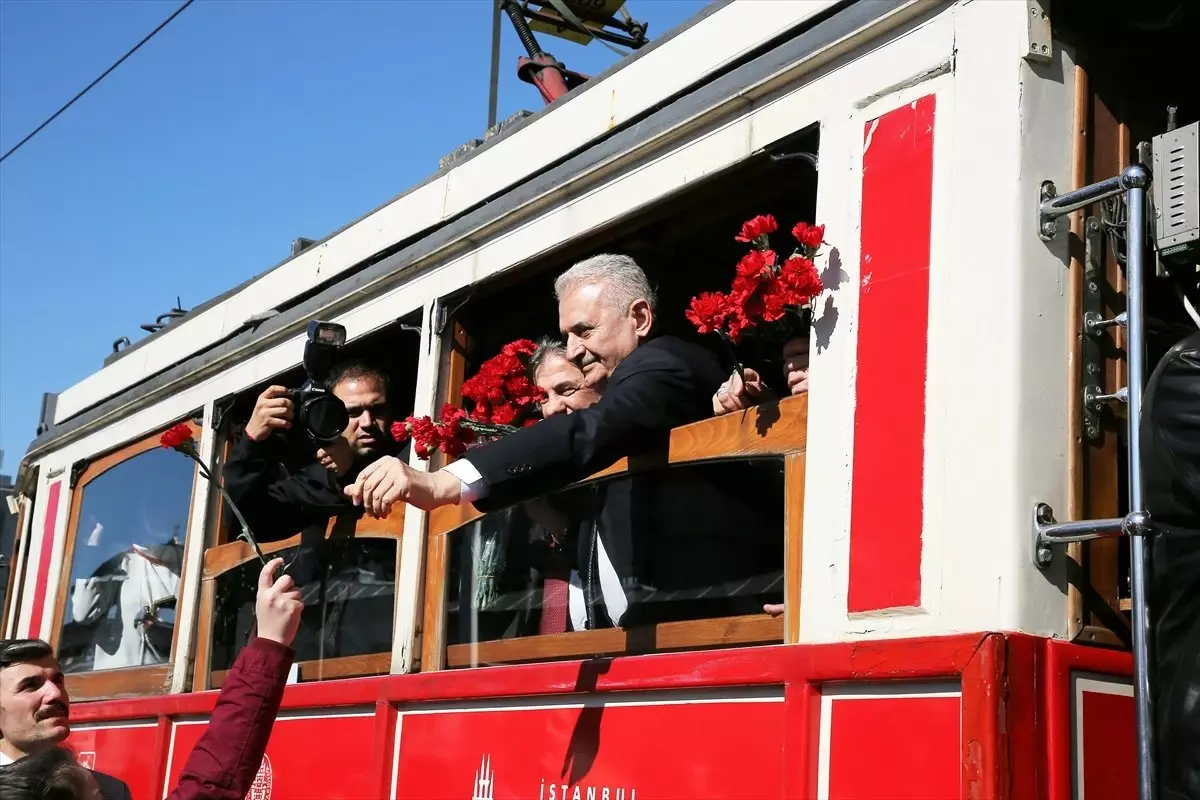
x: 689, y: 635
x: 776, y: 428
x: 222, y: 558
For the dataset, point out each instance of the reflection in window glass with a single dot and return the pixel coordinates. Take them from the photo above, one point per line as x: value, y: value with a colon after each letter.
x: 349, y: 591
x: 129, y: 544
x: 693, y: 541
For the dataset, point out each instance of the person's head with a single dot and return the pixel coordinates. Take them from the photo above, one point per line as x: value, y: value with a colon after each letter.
x: 364, y: 389
x: 605, y: 310
x: 560, y: 378
x: 52, y: 774
x: 34, y: 706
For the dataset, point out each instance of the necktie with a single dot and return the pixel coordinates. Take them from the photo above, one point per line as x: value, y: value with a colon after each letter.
x: 555, y: 595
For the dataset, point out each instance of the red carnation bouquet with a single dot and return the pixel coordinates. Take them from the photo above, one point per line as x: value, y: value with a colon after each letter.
x: 502, y: 397
x: 769, y: 299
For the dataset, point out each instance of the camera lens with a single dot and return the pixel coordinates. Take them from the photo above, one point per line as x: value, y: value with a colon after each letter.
x: 325, y: 417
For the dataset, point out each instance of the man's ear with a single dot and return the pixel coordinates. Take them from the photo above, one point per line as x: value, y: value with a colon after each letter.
x: 643, y: 317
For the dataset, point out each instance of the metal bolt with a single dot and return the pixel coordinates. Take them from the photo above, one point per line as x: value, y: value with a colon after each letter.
x: 1092, y: 287
x: 1093, y: 368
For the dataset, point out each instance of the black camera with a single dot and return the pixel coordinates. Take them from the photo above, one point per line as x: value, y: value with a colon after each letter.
x: 319, y: 412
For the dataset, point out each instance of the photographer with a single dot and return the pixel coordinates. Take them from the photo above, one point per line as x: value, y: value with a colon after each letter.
x: 279, y: 503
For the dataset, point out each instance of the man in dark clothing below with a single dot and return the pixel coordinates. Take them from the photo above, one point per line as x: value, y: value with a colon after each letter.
x: 651, y: 384
x: 1170, y: 435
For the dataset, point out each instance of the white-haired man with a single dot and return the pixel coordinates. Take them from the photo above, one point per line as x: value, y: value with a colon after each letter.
x: 606, y: 311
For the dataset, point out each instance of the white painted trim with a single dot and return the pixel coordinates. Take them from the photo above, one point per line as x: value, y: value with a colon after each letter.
x: 188, y: 593
x: 708, y: 45
x: 670, y: 697
x: 33, y: 555
x: 396, y: 756
x: 866, y: 691
x: 111, y: 726
x: 1094, y: 685
x: 166, y: 790
x: 300, y: 715
x: 411, y: 576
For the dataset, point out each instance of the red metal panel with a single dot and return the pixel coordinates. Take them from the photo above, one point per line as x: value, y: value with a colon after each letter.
x: 124, y: 752
x: 43, y: 573
x: 326, y: 756
x: 907, y: 659
x: 896, y: 748
x: 886, y: 513
x: 722, y: 749
x: 1061, y: 660
x: 1109, y: 742
x: 984, y: 733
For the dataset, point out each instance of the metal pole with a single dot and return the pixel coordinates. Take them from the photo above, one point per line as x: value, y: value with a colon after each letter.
x: 494, y: 84
x: 1137, y: 179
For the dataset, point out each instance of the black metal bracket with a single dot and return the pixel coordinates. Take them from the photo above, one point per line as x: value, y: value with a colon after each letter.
x: 76, y: 471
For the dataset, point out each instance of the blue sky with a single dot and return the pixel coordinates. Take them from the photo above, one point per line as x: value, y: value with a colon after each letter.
x: 243, y: 125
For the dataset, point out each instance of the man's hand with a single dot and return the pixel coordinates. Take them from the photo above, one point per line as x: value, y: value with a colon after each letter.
x: 337, y: 457
x: 273, y: 411
x: 774, y: 609
x: 736, y: 394
x: 389, y: 480
x: 795, y: 365
x: 279, y: 605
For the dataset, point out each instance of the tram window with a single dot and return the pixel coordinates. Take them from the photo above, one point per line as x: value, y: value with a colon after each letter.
x: 700, y: 541
x: 348, y: 602
x: 347, y: 563
x: 128, y: 529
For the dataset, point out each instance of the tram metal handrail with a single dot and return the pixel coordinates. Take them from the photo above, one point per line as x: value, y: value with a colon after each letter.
x: 1133, y: 181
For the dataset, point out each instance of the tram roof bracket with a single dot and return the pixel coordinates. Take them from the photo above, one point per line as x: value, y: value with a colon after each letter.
x: 1039, y: 44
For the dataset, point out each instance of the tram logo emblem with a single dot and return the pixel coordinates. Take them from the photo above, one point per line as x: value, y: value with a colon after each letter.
x: 263, y: 781
x: 87, y: 758
x: 485, y: 780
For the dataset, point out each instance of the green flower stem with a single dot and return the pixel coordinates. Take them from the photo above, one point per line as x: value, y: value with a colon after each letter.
x: 208, y: 476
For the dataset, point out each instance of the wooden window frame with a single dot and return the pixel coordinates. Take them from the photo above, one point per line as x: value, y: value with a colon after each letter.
x: 784, y: 429
x: 223, y: 558
x: 129, y: 681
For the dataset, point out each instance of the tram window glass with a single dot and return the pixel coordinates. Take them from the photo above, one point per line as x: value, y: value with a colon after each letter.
x: 348, y: 608
x: 696, y: 541
x: 128, y: 530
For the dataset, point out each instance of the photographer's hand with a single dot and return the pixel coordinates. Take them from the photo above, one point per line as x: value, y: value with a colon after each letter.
x: 279, y: 605
x: 272, y: 412
x: 389, y: 480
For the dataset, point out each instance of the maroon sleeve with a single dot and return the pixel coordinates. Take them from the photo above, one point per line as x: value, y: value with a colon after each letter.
x: 225, y: 760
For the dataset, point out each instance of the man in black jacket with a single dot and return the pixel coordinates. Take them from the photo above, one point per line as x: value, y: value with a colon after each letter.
x: 279, y: 503
x: 1170, y: 434
x: 651, y: 384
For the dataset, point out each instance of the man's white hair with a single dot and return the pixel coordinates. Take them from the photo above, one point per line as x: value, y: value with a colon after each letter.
x: 623, y: 280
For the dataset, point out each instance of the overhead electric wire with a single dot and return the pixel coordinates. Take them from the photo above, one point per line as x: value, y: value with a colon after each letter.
x: 103, y: 75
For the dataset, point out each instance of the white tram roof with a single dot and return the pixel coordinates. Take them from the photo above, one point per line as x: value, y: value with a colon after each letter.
x: 707, y: 61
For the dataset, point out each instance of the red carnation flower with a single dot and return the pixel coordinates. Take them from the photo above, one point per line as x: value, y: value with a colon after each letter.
x: 178, y: 437
x: 811, y: 237
x: 708, y: 312
x: 761, y: 225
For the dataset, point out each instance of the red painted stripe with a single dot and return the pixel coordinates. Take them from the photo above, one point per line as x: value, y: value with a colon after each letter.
x: 43, y: 574
x: 886, y: 512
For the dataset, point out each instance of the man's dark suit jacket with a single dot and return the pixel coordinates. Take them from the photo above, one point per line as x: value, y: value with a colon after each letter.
x: 1170, y: 435
x: 664, y: 383
x: 112, y: 788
